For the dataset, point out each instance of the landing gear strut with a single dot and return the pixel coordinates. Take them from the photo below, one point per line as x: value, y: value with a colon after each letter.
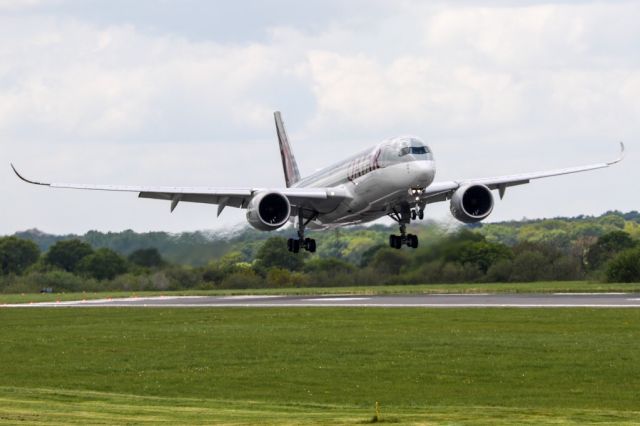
x: 308, y: 244
x: 403, y: 218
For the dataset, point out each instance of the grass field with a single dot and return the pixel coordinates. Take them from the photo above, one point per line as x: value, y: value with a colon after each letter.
x: 536, y: 287
x: 319, y: 365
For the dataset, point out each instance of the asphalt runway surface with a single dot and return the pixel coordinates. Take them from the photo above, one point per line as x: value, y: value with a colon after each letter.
x: 557, y: 300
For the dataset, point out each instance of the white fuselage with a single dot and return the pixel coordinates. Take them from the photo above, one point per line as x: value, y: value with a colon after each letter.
x: 378, y: 179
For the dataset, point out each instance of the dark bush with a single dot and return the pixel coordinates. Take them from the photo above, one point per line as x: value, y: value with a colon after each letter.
x: 607, y: 247
x: 147, y: 258
x: 389, y: 261
x: 17, y: 254
x: 242, y: 279
x: 274, y: 254
x: 103, y: 264
x: 67, y: 254
x: 625, y: 267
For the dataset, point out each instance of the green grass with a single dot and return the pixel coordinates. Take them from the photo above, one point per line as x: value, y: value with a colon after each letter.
x: 319, y: 365
x: 536, y: 287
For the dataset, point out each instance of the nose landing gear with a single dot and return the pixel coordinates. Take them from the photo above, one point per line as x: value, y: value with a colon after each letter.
x: 417, y: 214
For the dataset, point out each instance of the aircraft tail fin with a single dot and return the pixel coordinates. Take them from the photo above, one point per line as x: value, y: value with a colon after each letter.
x: 291, y: 172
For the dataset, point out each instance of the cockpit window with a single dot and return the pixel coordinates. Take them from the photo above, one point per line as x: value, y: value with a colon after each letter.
x: 417, y: 150
x: 401, y: 150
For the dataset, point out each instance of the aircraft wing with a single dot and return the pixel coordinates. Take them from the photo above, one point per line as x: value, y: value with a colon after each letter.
x: 307, y: 198
x: 442, y: 191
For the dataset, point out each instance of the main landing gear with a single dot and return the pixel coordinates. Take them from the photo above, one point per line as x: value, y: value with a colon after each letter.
x: 404, y: 217
x: 309, y: 244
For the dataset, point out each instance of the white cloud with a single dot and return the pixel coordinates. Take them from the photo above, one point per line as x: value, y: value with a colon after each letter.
x: 81, y: 82
x: 13, y: 5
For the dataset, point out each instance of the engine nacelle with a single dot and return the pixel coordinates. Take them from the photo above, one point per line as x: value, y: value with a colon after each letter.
x: 472, y: 203
x: 268, y: 211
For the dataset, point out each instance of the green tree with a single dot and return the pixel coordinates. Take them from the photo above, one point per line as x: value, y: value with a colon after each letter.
x: 246, y: 278
x: 103, y: 264
x: 67, y: 254
x: 278, y: 278
x: 389, y: 261
x: 369, y: 254
x: 148, y: 258
x: 274, y: 254
x: 17, y: 254
x: 330, y: 264
x: 625, y: 267
x: 530, y: 266
x: 483, y: 254
x: 607, y: 247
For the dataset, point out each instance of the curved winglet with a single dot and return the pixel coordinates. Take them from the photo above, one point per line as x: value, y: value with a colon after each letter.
x: 25, y: 179
x: 620, y: 157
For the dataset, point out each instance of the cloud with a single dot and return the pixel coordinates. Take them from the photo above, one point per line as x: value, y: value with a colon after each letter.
x: 79, y: 82
x: 13, y: 5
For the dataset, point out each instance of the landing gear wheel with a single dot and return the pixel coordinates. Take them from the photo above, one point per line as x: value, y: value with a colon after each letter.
x: 420, y: 214
x: 310, y: 245
x: 295, y: 246
x: 412, y: 241
x: 413, y: 215
x: 395, y: 241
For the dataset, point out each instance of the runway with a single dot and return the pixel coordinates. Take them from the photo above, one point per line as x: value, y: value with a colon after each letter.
x: 557, y: 300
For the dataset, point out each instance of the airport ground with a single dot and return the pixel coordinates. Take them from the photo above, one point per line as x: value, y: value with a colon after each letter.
x: 319, y: 365
x: 540, y: 287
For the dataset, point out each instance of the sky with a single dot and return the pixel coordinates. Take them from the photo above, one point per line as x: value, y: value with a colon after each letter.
x: 182, y: 93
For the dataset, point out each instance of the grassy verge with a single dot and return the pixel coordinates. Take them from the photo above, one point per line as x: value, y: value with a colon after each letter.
x: 313, y: 365
x: 536, y: 287
x: 51, y: 407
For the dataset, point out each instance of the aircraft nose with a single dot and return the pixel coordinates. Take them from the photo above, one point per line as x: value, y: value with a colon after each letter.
x: 425, y: 172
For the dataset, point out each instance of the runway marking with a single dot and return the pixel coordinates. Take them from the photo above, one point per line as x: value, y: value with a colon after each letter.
x: 243, y: 297
x: 321, y: 305
x: 336, y: 299
x: 590, y: 294
x: 626, y: 300
x: 455, y: 294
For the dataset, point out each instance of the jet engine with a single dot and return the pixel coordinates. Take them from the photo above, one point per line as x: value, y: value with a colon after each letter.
x: 268, y: 211
x: 471, y: 203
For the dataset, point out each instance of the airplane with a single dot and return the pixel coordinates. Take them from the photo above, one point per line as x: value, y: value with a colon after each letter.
x: 394, y: 178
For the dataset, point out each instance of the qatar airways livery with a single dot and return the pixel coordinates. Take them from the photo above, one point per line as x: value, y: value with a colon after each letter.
x: 394, y: 178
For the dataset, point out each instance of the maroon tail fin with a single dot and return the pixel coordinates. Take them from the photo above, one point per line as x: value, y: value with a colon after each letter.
x: 291, y: 172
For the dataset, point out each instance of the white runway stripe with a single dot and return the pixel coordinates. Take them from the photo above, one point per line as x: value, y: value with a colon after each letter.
x: 336, y: 299
x: 597, y: 300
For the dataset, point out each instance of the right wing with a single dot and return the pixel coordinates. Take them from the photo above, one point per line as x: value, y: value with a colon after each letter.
x: 442, y: 191
x: 312, y: 199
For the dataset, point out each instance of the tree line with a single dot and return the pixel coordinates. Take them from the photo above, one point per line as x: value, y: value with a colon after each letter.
x: 562, y: 250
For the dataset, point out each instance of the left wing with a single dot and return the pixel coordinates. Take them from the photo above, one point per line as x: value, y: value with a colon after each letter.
x: 442, y: 191
x: 300, y: 198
